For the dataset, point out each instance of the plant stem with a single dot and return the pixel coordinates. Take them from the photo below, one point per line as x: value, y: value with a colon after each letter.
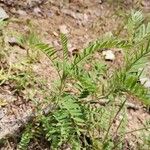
x: 129, y: 132
x: 106, y: 136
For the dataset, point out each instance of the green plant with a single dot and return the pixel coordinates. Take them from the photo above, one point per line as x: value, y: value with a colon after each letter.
x: 27, y: 41
x: 77, y: 118
x: 26, y: 137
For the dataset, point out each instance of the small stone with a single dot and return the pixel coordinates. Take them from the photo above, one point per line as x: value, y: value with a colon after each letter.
x: 37, y: 10
x: 22, y: 12
x: 13, y: 10
x: 108, y: 55
x: 100, y: 1
x: 12, y: 40
x: 2, y: 114
x: 3, y: 14
x: 145, y: 81
x: 55, y: 33
x: 63, y: 29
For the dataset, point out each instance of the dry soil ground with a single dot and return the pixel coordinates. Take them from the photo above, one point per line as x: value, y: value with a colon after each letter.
x: 83, y: 21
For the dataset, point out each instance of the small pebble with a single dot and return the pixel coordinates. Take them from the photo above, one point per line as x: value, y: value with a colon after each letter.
x: 145, y: 81
x: 21, y: 12
x: 108, y: 55
x: 63, y: 29
x: 37, y: 10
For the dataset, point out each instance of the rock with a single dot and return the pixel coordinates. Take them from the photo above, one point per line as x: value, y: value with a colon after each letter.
x: 145, y: 71
x: 12, y: 40
x: 21, y: 12
x: 145, y: 81
x: 2, y: 113
x: 3, y: 14
x: 37, y: 10
x: 108, y: 55
x: 55, y: 34
x: 63, y: 29
x: 100, y: 1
